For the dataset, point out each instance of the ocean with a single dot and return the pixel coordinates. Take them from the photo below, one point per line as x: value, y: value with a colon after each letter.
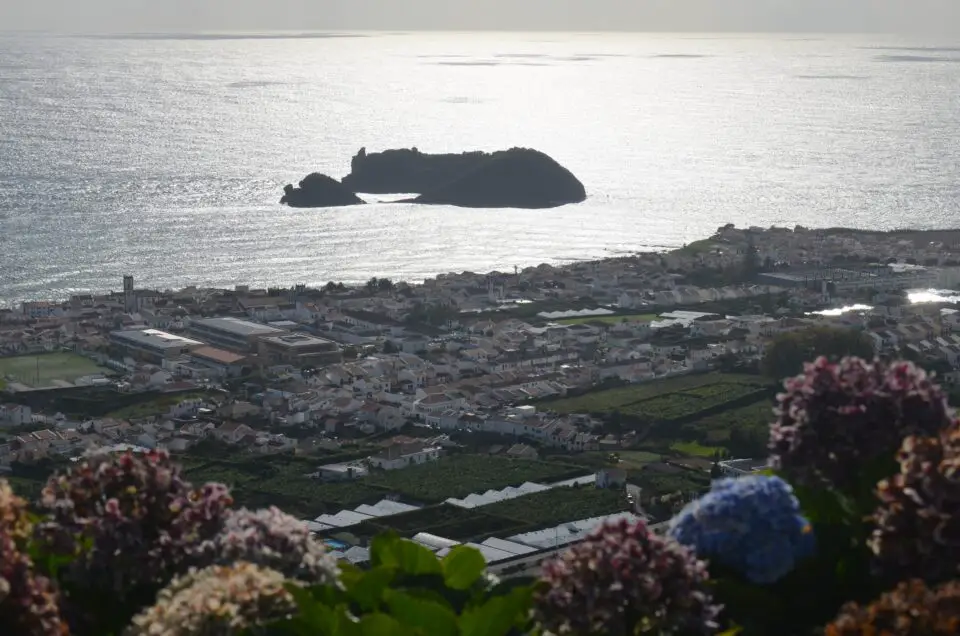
x: 164, y: 156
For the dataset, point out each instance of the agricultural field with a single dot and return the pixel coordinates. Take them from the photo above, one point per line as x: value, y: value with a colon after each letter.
x: 158, y: 406
x: 664, y: 399
x: 637, y: 460
x: 460, y: 475
x: 550, y: 507
x: 696, y: 449
x: 444, y: 521
x: 283, y: 481
x: 683, y: 403
x: 48, y: 369
x: 608, y: 320
x: 716, y: 429
x: 522, y: 514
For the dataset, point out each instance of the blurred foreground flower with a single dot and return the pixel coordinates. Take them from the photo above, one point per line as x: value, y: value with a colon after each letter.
x: 276, y: 540
x: 143, y: 521
x: 835, y: 419
x: 28, y: 602
x: 216, y: 601
x: 918, y: 521
x: 912, y: 609
x: 623, y: 578
x: 752, y: 525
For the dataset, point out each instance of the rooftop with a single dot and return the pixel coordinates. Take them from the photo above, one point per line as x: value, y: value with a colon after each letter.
x: 296, y: 340
x: 218, y: 355
x: 156, y: 338
x: 238, y: 327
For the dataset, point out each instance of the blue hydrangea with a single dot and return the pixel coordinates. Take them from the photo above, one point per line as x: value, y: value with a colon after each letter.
x: 752, y: 525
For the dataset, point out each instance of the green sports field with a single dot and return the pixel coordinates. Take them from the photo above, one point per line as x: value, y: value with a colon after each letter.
x: 46, y: 369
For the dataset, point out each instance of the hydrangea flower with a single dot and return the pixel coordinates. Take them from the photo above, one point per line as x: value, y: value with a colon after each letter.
x: 917, y: 524
x: 274, y: 539
x: 28, y: 601
x: 143, y: 521
x: 834, y: 419
x: 912, y: 609
x: 623, y: 576
x: 752, y: 525
x: 216, y: 601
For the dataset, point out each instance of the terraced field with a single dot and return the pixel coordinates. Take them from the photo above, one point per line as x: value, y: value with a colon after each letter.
x: 713, y: 387
x: 664, y: 400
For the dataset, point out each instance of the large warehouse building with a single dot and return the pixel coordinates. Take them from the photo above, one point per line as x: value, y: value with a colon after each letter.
x: 153, y: 345
x: 233, y: 334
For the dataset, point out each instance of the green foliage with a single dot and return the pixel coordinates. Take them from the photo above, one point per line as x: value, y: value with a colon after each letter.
x: 283, y: 480
x: 657, y: 400
x: 47, y: 368
x: 460, y: 475
x: 558, y: 505
x: 408, y: 591
x: 505, y: 518
x: 787, y: 353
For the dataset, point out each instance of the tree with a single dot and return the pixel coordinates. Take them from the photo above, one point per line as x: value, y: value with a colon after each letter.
x: 373, y: 284
x: 787, y: 353
x: 385, y: 284
x: 751, y: 258
x: 390, y: 347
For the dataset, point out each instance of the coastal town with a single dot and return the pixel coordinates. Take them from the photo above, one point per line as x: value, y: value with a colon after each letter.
x: 513, y: 411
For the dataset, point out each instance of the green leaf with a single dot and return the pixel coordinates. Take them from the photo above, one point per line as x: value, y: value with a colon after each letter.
x: 826, y: 506
x: 498, y: 615
x: 314, y: 616
x: 367, y: 588
x: 378, y: 625
x: 408, y: 557
x: 507, y: 586
x: 462, y: 567
x: 427, y: 617
x: 382, y: 550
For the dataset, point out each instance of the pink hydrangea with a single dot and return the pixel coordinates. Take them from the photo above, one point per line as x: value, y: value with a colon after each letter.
x: 835, y: 420
x: 623, y: 576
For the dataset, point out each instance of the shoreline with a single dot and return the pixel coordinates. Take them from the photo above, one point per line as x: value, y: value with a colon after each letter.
x: 689, y: 250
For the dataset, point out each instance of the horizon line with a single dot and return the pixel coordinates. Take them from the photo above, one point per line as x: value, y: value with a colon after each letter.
x: 399, y: 32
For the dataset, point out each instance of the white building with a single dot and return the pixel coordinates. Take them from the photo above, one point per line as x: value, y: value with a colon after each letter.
x: 152, y: 344
x: 398, y: 456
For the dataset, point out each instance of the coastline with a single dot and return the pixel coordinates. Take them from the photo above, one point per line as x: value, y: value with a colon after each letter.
x: 694, y: 250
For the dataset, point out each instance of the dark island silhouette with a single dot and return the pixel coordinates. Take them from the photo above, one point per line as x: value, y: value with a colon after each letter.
x: 515, y: 178
x: 319, y: 191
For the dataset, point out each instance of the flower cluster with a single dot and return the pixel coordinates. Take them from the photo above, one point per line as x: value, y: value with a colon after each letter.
x: 28, y: 601
x: 752, y: 525
x: 142, y: 520
x: 216, y: 601
x: 912, y: 609
x: 273, y: 539
x: 620, y: 576
x: 917, y: 530
x: 835, y: 419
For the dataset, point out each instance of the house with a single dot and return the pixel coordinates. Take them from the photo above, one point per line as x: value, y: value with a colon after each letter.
x: 342, y: 472
x: 611, y: 477
x: 15, y: 415
x: 438, y: 402
x: 404, y: 453
x: 522, y: 451
x: 233, y: 432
